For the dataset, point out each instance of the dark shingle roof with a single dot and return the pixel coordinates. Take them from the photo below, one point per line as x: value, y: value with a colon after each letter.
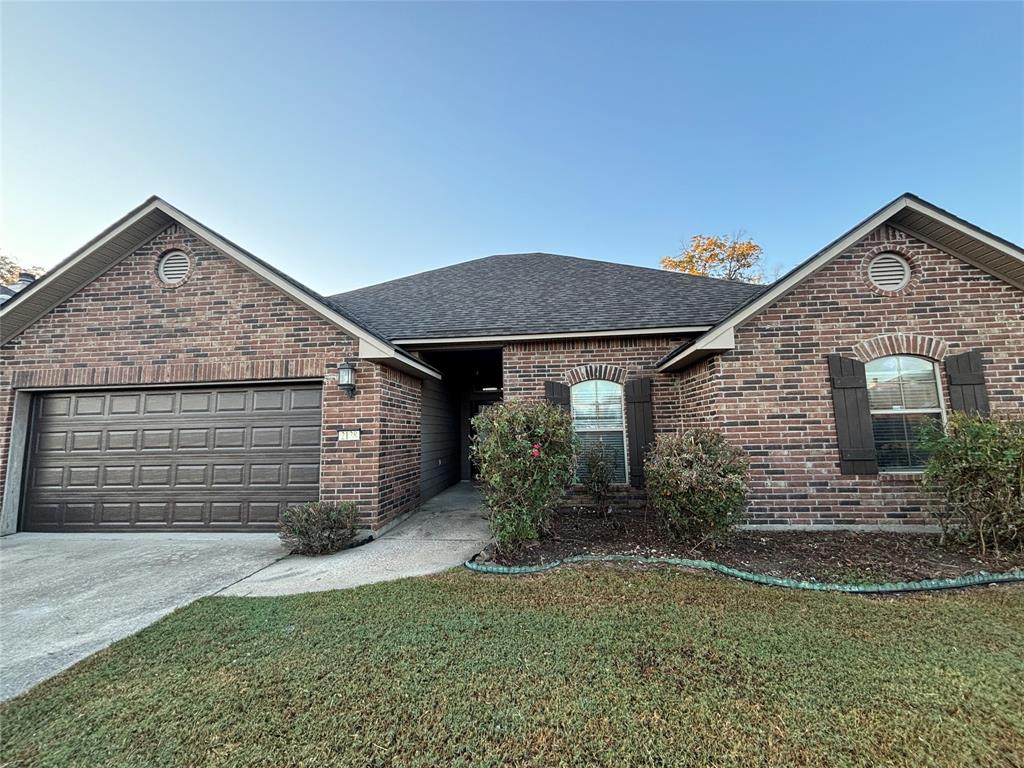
x: 527, y: 293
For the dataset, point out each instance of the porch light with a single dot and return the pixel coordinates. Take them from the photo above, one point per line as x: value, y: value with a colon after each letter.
x: 347, y: 378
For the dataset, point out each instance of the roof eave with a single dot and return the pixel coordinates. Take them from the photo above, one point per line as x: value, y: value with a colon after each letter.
x: 140, y: 225
x: 721, y: 337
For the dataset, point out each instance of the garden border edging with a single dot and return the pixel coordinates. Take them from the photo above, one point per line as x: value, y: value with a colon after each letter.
x: 924, y: 585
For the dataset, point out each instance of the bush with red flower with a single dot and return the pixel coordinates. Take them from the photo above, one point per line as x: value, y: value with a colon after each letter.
x: 525, y: 451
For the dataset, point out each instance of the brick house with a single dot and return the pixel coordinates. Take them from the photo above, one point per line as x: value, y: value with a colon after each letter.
x: 163, y: 378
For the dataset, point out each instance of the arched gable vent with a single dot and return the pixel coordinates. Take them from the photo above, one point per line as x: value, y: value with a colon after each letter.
x: 172, y: 267
x: 889, y: 271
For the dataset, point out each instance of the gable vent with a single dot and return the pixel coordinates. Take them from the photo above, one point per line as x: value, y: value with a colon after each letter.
x: 172, y: 267
x: 889, y: 271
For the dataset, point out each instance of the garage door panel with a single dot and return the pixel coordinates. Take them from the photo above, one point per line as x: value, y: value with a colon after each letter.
x: 124, y: 405
x: 122, y: 440
x: 229, y: 437
x: 231, y: 458
x: 92, y: 405
x: 158, y: 404
x: 51, y: 442
x: 80, y: 513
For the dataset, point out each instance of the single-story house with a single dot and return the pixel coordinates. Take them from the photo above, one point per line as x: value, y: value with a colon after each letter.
x: 163, y: 378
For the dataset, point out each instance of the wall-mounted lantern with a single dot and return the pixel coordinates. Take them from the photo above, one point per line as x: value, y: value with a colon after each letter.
x: 347, y: 379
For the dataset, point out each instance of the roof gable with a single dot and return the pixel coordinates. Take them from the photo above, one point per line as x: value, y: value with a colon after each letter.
x: 532, y: 294
x: 909, y: 213
x: 138, y: 227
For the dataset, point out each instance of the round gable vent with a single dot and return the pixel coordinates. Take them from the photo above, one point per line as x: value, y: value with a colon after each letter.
x: 173, y: 267
x: 889, y: 271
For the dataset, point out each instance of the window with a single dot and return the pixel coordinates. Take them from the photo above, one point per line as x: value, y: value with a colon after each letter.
x: 173, y: 267
x: 903, y: 395
x: 598, y: 417
x: 889, y: 271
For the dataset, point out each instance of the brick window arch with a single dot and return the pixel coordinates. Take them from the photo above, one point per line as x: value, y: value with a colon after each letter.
x: 588, y: 372
x: 890, y: 344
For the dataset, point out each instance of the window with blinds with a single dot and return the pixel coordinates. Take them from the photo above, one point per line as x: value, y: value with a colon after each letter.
x: 598, y: 417
x: 903, y: 395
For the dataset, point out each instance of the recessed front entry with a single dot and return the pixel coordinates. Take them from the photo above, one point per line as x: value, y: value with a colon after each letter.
x: 225, y: 458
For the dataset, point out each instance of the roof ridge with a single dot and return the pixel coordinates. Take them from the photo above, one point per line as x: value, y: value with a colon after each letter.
x: 658, y: 270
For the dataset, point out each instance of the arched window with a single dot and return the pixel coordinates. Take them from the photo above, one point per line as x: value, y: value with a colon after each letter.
x: 903, y: 395
x: 598, y: 416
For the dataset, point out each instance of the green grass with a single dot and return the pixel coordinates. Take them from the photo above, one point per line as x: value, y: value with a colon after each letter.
x: 585, y: 666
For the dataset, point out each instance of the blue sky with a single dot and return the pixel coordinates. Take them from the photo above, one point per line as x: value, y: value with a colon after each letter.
x: 353, y: 143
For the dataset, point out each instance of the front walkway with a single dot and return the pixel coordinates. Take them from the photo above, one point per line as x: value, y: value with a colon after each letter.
x: 446, y: 530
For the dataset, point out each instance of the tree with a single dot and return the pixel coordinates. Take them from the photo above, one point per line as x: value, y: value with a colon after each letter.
x: 728, y: 257
x: 10, y: 270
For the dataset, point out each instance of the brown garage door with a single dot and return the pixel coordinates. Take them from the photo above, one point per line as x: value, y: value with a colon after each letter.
x: 183, y: 459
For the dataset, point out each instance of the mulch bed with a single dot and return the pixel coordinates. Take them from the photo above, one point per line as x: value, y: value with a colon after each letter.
x: 836, y: 556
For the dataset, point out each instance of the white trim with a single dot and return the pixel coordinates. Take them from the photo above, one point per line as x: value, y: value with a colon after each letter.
x: 965, y: 227
x: 376, y: 348
x: 719, y: 338
x: 625, y: 437
x: 370, y: 346
x: 566, y: 335
x: 940, y: 409
x: 715, y: 339
x: 41, y: 282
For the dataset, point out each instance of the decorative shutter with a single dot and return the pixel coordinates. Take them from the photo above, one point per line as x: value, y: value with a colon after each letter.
x: 639, y: 427
x: 966, y: 374
x: 853, y: 416
x: 558, y: 393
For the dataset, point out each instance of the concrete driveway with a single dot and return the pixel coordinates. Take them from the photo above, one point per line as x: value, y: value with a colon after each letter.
x: 64, y: 596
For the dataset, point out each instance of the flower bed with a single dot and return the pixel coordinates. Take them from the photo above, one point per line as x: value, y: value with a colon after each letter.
x: 836, y: 556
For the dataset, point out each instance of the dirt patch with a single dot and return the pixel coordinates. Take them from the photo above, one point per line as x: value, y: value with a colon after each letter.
x: 836, y: 556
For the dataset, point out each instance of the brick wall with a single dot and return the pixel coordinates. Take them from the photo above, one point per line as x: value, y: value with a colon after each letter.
x: 527, y: 365
x: 223, y: 324
x: 773, y: 393
x: 399, y: 474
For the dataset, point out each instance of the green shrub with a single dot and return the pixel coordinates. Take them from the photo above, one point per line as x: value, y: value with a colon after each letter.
x: 597, y: 475
x: 525, y: 454
x: 697, y: 483
x: 976, y: 469
x: 318, y: 527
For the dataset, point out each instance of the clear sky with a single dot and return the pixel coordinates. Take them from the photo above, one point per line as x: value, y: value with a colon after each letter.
x: 353, y: 143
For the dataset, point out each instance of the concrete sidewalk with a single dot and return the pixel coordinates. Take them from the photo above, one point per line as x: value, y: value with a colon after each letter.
x: 446, y: 530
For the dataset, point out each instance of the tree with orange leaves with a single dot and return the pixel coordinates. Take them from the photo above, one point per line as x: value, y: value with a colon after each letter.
x: 729, y: 257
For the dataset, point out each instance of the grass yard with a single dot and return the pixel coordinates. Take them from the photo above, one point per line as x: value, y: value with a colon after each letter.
x: 587, y: 666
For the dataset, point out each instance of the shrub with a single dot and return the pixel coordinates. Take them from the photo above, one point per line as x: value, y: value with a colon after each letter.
x: 318, y: 527
x: 525, y: 454
x: 597, y: 475
x: 697, y: 483
x: 976, y: 469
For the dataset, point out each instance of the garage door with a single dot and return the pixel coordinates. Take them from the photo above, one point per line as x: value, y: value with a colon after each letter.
x: 183, y: 459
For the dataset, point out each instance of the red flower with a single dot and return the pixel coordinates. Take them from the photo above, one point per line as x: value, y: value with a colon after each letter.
x: 535, y: 453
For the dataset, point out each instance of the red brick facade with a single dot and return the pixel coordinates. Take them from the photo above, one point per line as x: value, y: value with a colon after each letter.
x: 224, y: 324
x: 772, y: 393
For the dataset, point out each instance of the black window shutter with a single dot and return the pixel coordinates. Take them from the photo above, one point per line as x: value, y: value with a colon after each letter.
x: 558, y: 393
x: 853, y: 416
x: 639, y: 427
x: 966, y: 374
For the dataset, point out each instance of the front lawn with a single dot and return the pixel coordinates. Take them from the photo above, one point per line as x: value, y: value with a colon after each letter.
x: 587, y: 666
